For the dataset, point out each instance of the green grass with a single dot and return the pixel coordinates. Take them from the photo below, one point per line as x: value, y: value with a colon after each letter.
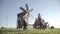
x: 29, y: 31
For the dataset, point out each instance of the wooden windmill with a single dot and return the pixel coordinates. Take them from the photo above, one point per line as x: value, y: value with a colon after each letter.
x: 23, y: 17
x: 40, y: 23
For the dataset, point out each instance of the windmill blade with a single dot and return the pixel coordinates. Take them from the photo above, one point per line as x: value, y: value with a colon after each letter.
x: 23, y: 9
x: 27, y: 7
x: 30, y: 10
x: 31, y: 15
x: 27, y: 14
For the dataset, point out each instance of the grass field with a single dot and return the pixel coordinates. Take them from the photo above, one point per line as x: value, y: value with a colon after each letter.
x: 29, y: 31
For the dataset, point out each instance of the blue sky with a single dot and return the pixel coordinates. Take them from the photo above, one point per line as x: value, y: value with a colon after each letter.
x: 49, y: 10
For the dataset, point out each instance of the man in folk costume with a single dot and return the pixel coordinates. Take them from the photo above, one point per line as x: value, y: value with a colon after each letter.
x: 25, y: 21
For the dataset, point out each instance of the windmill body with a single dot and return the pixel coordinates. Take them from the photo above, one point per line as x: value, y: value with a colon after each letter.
x: 20, y: 20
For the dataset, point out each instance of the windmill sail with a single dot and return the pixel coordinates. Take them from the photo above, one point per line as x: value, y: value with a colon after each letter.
x: 27, y: 7
x: 22, y: 9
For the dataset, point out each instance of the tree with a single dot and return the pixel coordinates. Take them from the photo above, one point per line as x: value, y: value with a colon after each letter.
x: 2, y: 27
x: 52, y: 27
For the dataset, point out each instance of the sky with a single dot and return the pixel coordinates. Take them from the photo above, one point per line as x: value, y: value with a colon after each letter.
x: 49, y: 10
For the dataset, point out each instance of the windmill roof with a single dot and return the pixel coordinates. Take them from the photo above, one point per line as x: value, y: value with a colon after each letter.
x: 21, y: 14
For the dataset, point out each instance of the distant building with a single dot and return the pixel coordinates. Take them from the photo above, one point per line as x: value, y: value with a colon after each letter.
x: 40, y: 23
